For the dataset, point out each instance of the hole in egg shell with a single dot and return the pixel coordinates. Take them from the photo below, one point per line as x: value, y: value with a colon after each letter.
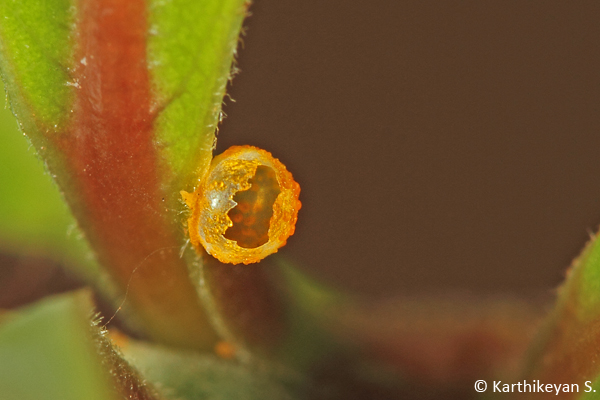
x: 251, y: 216
x: 245, y: 208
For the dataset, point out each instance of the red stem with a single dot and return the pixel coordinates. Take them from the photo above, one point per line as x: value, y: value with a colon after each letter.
x: 113, y: 160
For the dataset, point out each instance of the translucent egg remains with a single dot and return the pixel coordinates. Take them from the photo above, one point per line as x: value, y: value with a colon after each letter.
x: 245, y: 208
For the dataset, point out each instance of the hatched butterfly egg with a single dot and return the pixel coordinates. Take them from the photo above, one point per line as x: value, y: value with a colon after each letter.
x: 246, y: 207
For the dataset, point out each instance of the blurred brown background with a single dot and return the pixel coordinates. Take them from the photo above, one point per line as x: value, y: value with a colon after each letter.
x: 439, y: 145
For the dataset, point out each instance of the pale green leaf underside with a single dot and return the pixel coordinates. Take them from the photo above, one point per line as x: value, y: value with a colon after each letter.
x: 34, y: 220
x: 47, y: 353
x: 191, y: 376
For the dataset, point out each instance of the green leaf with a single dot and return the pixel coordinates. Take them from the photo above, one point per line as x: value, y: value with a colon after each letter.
x: 191, y: 376
x: 566, y: 347
x: 46, y: 352
x: 589, y: 390
x: 36, y: 46
x: 121, y: 101
x: 34, y: 220
x: 588, y: 292
x: 190, y: 51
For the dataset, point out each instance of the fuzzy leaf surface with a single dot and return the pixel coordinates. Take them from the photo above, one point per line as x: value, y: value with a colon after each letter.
x: 121, y: 101
x: 46, y: 352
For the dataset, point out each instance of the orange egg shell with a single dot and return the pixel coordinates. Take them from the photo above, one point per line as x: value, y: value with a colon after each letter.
x: 232, y: 173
